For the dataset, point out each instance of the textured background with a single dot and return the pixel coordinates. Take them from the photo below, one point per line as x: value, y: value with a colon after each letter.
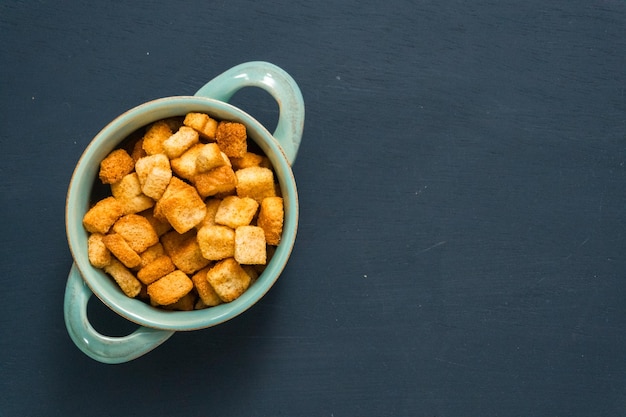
x: 461, y: 181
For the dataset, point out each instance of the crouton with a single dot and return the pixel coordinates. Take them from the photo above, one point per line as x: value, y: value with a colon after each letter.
x: 235, y: 211
x: 99, y: 255
x: 218, y: 180
x: 216, y: 242
x: 185, y: 165
x: 271, y: 217
x: 124, y: 278
x: 156, y: 134
x: 209, y: 157
x: 179, y: 142
x: 228, y: 279
x: 184, y: 251
x: 128, y: 193
x: 137, y: 231
x: 256, y: 183
x: 156, y: 269
x: 170, y: 288
x: 151, y: 254
x: 212, y: 204
x: 205, y: 291
x: 159, y: 226
x: 154, y: 173
x: 203, y: 123
x: 121, y: 250
x: 117, y: 164
x: 250, y: 245
x: 102, y: 215
x: 138, y: 152
x: 231, y: 137
x: 250, y: 159
x: 184, y: 303
x: 183, y: 208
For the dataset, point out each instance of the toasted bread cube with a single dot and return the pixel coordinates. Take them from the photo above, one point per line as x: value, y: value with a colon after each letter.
x: 156, y: 269
x: 159, y: 226
x: 250, y: 245
x: 184, y: 251
x: 138, y: 152
x: 99, y: 255
x: 151, y: 254
x: 137, y: 231
x: 179, y: 142
x: 228, y: 279
x: 206, y: 292
x: 256, y: 183
x: 250, y: 159
x: 209, y: 157
x: 216, y: 242
x: 121, y: 250
x: 185, y: 165
x: 176, y: 185
x: 231, y: 137
x: 252, y: 271
x: 271, y: 217
x: 128, y: 192
x: 102, y: 215
x: 203, y: 123
x: 218, y: 180
x: 124, y: 278
x: 154, y: 173
x: 184, y: 303
x: 182, y: 207
x: 156, y: 134
x: 212, y: 204
x: 117, y: 164
x: 170, y: 288
x: 235, y: 211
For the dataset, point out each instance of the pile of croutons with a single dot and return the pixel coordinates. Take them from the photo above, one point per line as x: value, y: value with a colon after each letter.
x: 192, y: 218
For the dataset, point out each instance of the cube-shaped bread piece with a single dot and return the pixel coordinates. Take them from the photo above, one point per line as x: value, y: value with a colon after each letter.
x: 250, y: 245
x: 156, y: 134
x: 138, y: 152
x: 250, y: 159
x: 99, y: 255
x: 179, y: 142
x: 184, y: 303
x: 128, y: 192
x: 203, y: 123
x: 235, y: 211
x: 216, y: 242
x: 150, y: 254
x: 212, y: 204
x: 206, y: 292
x: 271, y: 218
x: 159, y: 226
x: 231, y: 137
x: 185, y: 165
x: 183, y: 207
x: 184, y: 251
x: 228, y: 279
x: 255, y: 182
x: 137, y: 231
x: 156, y: 269
x: 209, y: 157
x: 170, y: 288
x: 115, y: 166
x: 121, y: 250
x: 216, y: 181
x: 124, y: 278
x: 102, y: 215
x: 154, y: 173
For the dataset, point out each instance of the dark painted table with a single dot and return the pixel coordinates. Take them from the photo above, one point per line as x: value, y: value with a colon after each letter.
x: 462, y: 186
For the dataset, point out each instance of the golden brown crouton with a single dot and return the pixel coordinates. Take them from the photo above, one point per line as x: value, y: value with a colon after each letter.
x: 228, y: 279
x: 206, y: 292
x: 271, y: 217
x: 184, y: 303
x: 117, y: 164
x: 216, y: 181
x: 154, y: 173
x: 128, y: 193
x: 209, y: 157
x: 99, y: 255
x: 216, y: 242
x: 155, y: 136
x: 185, y: 165
x: 250, y: 159
x: 250, y: 245
x: 256, y: 183
x: 150, y: 254
x: 159, y: 226
x: 235, y: 211
x: 124, y: 278
x: 231, y: 137
x: 203, y: 123
x: 170, y: 288
x: 212, y: 204
x: 156, y: 269
x: 121, y: 250
x: 179, y: 142
x: 138, y: 151
x: 137, y: 231
x: 102, y: 215
x: 182, y: 207
x: 184, y: 251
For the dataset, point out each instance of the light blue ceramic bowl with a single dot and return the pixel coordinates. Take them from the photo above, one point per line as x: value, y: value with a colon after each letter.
x: 155, y: 325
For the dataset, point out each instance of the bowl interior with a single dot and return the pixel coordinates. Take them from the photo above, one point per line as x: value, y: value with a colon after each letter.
x: 80, y: 192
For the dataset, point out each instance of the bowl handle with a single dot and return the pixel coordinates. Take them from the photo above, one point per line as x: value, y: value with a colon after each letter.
x: 102, y: 348
x: 275, y: 81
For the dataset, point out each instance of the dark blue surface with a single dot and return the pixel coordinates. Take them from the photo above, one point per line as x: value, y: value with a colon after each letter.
x: 461, y: 179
